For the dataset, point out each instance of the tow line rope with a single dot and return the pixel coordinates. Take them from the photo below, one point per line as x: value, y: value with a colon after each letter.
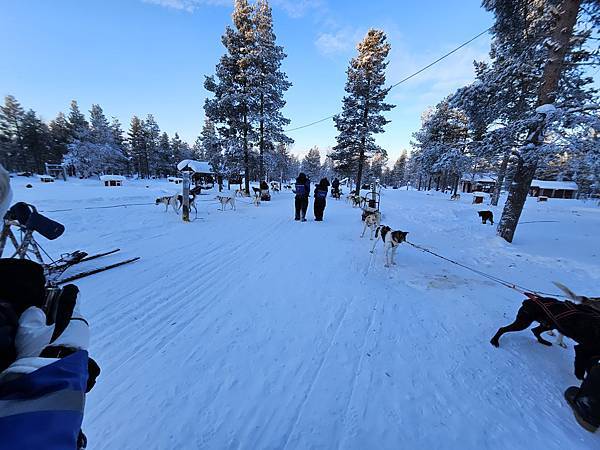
x: 505, y: 283
x: 124, y: 205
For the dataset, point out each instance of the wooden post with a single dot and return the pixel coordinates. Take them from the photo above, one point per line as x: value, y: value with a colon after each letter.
x: 186, y: 196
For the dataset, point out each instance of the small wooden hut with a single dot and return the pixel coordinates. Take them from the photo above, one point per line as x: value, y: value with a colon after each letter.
x: 112, y: 180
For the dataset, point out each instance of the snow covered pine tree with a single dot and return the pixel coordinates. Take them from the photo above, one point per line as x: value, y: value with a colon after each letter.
x: 362, y: 107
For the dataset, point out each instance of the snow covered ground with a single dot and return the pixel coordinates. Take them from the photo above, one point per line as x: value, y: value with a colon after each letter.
x: 246, y: 329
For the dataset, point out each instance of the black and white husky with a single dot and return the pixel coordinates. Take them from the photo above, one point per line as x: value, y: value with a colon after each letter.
x: 391, y: 241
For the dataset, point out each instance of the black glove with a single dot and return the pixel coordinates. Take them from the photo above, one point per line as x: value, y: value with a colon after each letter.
x: 22, y: 284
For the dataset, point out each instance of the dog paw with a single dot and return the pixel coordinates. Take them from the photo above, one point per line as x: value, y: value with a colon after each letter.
x: 495, y: 343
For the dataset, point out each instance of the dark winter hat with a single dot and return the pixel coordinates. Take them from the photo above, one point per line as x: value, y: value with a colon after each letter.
x: 302, y: 177
x: 22, y: 283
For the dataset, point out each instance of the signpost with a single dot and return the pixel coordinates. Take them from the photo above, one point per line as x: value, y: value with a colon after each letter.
x: 186, y: 194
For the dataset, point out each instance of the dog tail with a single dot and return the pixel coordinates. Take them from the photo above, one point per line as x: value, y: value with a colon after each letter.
x: 568, y: 292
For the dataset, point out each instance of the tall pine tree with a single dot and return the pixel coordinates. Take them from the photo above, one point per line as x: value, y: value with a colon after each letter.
x: 270, y: 83
x: 233, y: 107
x: 311, y: 164
x: 11, y: 144
x: 557, y: 81
x: 362, y: 107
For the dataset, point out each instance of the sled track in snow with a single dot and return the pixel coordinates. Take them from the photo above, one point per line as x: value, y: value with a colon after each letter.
x: 363, y: 351
x: 173, y: 308
x: 314, y: 379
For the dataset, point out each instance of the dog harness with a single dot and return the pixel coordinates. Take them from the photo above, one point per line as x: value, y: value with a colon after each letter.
x: 565, y: 309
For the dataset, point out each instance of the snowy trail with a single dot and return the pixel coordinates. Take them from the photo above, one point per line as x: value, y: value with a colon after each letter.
x: 249, y: 330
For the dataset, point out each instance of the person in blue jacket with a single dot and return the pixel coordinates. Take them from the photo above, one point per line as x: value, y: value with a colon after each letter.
x: 320, y: 199
x: 302, y: 190
x: 45, y: 370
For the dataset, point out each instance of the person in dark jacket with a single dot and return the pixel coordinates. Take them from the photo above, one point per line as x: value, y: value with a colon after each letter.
x: 321, y: 198
x: 585, y: 400
x: 335, y: 186
x: 302, y: 190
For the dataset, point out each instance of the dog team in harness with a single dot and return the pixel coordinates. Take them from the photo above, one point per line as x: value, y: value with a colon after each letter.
x: 45, y: 369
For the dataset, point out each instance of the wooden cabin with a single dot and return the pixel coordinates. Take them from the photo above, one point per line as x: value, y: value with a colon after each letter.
x: 202, y: 173
x: 554, y: 189
x: 478, y: 183
x: 46, y: 179
x: 112, y: 180
x: 175, y: 180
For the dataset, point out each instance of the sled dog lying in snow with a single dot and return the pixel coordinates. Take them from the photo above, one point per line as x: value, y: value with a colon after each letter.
x: 455, y: 196
x: 485, y: 216
x: 372, y: 222
x: 224, y: 200
x: 593, y: 302
x: 391, y: 241
x: 169, y: 200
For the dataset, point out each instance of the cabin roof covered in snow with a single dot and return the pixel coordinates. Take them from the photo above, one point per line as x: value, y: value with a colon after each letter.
x: 196, y: 166
x: 564, y: 185
x: 483, y: 178
x: 112, y: 178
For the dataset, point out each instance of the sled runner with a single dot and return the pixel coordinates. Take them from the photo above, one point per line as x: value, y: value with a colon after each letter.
x: 25, y: 220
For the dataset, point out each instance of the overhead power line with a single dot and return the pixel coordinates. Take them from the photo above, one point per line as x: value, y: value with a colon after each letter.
x: 412, y: 75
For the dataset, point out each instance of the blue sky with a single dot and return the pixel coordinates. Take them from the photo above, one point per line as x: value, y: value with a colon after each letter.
x: 150, y: 56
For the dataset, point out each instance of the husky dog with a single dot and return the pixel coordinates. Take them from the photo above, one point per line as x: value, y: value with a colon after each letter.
x: 485, y: 216
x: 225, y: 200
x: 256, y: 190
x: 169, y: 200
x: 356, y: 200
x: 372, y: 222
x: 192, y: 202
x: 578, y: 322
x: 391, y: 241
